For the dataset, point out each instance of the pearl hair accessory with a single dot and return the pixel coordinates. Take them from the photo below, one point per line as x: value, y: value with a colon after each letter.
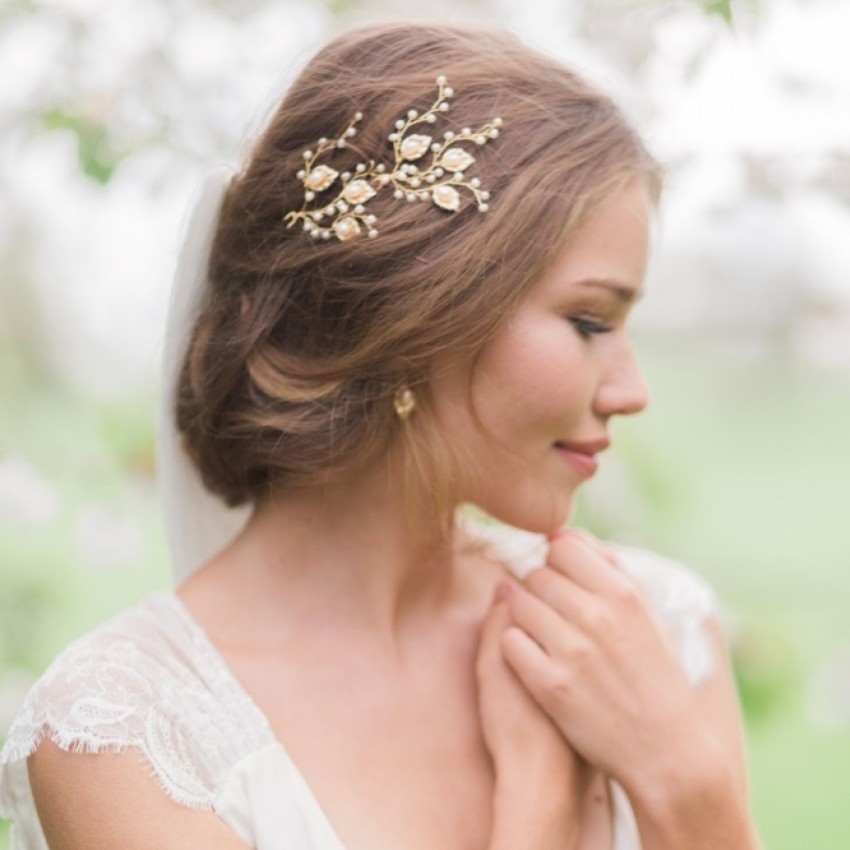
x: 439, y: 180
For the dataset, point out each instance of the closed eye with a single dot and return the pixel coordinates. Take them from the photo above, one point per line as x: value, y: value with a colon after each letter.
x: 587, y: 328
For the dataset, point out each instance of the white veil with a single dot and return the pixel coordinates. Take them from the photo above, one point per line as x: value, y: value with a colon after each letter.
x: 197, y: 524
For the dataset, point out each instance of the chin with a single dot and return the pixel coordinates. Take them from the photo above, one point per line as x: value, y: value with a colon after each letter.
x: 540, y: 516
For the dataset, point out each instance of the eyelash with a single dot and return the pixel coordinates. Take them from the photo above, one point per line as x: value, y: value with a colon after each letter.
x: 588, y: 328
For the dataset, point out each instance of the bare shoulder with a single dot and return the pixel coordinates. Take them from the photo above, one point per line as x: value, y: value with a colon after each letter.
x: 88, y: 801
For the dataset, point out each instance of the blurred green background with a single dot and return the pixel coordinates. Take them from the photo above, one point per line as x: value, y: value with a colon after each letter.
x: 740, y: 468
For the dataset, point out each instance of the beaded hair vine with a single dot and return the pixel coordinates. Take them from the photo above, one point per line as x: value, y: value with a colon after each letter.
x: 438, y: 180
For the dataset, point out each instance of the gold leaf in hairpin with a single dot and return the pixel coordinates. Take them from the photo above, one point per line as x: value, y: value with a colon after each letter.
x: 440, y: 179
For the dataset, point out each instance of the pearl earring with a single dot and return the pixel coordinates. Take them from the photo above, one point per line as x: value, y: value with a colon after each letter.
x: 404, y: 402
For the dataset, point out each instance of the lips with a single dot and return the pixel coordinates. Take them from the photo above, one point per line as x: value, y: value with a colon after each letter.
x: 581, y: 456
x: 590, y: 447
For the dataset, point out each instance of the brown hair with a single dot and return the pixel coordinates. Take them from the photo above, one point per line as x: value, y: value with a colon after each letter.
x: 301, y: 345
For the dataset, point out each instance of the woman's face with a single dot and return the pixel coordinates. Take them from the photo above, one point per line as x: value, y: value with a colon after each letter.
x: 545, y: 387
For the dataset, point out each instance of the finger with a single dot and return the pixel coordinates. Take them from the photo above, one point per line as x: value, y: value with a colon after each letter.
x: 562, y: 594
x: 541, y: 622
x: 528, y: 661
x: 603, y: 549
x: 572, y: 556
x: 591, y: 615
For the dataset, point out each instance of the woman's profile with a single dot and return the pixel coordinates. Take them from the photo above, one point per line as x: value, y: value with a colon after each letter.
x: 413, y: 297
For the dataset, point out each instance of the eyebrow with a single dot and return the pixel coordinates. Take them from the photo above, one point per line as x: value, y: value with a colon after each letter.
x: 626, y: 294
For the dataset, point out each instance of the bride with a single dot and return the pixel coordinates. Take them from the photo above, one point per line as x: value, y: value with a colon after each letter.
x: 414, y: 297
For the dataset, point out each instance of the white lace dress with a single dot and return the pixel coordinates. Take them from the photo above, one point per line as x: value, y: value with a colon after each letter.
x: 150, y: 680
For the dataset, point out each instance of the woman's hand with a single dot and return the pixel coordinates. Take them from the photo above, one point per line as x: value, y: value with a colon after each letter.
x: 588, y: 649
x: 540, y: 780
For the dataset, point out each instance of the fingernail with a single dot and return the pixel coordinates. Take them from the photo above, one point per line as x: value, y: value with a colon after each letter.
x: 504, y: 591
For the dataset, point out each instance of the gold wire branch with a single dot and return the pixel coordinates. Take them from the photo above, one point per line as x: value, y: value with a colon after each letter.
x: 344, y: 215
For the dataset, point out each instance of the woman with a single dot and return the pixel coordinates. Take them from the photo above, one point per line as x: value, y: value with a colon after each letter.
x: 416, y: 298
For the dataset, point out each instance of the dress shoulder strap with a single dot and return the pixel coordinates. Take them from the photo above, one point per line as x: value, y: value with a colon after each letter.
x: 148, y: 679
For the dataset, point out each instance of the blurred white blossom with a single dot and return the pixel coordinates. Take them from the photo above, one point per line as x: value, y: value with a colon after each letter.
x: 26, y: 497
x: 107, y: 538
x: 754, y: 123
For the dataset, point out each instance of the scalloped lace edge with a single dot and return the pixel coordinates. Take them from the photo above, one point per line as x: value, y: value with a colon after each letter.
x: 16, y: 752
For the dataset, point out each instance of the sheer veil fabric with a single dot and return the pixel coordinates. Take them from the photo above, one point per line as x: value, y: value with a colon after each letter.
x: 197, y: 523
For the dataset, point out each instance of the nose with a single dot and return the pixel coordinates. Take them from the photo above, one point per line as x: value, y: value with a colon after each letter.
x: 623, y: 389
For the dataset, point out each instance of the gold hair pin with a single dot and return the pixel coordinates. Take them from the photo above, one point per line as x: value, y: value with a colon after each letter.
x: 343, y: 215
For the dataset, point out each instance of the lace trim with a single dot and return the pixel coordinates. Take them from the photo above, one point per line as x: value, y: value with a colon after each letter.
x: 150, y: 680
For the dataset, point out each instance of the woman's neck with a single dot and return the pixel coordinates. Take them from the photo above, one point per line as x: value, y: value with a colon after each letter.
x: 346, y: 556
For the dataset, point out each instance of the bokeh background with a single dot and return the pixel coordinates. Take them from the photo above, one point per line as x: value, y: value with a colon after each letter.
x: 110, y: 112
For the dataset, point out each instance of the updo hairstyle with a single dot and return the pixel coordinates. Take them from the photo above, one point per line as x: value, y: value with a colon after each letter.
x: 301, y: 343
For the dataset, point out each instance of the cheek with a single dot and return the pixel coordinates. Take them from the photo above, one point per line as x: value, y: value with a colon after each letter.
x: 534, y: 378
